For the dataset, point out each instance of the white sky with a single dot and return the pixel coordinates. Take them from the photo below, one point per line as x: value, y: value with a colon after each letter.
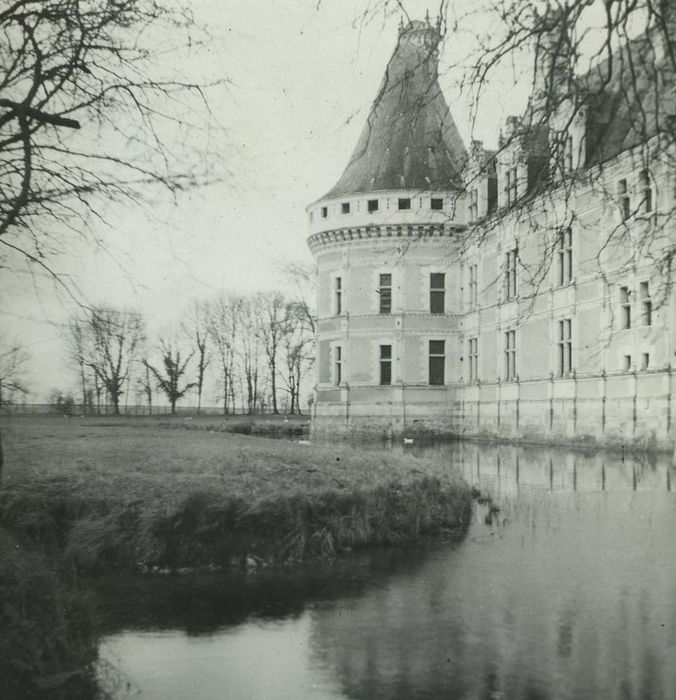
x: 302, y: 78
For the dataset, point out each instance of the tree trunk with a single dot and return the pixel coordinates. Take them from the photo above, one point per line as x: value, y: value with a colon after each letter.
x: 173, y: 407
x: 84, y: 391
x: 273, y: 387
x: 2, y: 456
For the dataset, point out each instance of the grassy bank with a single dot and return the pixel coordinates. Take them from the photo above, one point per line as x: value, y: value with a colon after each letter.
x: 107, y: 495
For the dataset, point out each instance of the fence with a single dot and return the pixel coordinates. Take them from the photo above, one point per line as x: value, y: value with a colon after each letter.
x: 75, y: 409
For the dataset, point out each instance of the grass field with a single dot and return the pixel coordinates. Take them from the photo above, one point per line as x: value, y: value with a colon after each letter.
x: 144, y: 493
x: 107, y: 495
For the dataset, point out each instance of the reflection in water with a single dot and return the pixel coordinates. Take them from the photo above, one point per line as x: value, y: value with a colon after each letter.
x: 570, y: 592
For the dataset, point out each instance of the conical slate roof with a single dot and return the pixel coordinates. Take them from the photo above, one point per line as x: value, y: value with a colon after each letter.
x: 410, y: 140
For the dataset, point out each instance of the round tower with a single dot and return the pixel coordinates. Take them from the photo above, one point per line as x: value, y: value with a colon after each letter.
x: 383, y: 238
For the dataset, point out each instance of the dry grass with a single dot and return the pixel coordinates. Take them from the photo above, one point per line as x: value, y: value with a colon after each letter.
x: 135, y: 492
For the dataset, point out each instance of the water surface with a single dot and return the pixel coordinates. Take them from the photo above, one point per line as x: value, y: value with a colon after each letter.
x: 569, y: 591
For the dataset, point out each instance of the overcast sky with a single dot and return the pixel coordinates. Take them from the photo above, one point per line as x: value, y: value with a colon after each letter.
x: 302, y: 76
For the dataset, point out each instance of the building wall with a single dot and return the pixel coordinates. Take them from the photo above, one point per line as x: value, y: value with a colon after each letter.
x: 610, y: 395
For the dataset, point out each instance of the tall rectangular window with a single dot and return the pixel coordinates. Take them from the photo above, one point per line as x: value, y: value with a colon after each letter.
x: 646, y: 305
x: 511, y: 186
x: 345, y: 208
x: 437, y: 292
x: 645, y: 361
x: 565, y: 256
x: 473, y: 357
x: 437, y: 203
x: 338, y: 365
x: 372, y: 205
x: 404, y: 203
x: 473, y: 286
x: 437, y: 362
x: 625, y: 307
x: 386, y: 364
x: 647, y: 190
x: 325, y: 212
x: 565, y: 348
x: 623, y: 198
x: 510, y: 355
x: 511, y: 258
x: 385, y: 293
x: 568, y: 154
x: 338, y: 296
x: 474, y: 204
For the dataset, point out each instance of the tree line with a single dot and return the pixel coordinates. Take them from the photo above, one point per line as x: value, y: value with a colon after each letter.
x: 255, y: 351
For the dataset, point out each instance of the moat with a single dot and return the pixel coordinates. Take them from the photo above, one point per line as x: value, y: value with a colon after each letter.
x: 568, y: 591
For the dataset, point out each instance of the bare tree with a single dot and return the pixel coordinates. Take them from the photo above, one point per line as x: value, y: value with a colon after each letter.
x: 271, y: 310
x: 297, y: 345
x: 171, y: 372
x: 13, y: 360
x: 249, y: 352
x: 87, y: 113
x: 77, y: 354
x: 223, y: 317
x: 196, y: 327
x: 109, y: 340
x: 144, y: 384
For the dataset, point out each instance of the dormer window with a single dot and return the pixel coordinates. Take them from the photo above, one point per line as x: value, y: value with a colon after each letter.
x: 372, y: 205
x: 437, y: 203
x: 345, y: 208
x: 325, y: 212
x: 404, y: 203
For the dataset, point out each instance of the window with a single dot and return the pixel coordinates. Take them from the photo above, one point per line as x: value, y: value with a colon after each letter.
x: 647, y: 191
x: 510, y: 355
x: 623, y: 199
x: 385, y: 292
x: 568, y: 155
x: 565, y: 256
x: 646, y: 305
x: 473, y: 357
x: 645, y: 361
x: 437, y: 362
x: 386, y: 364
x: 627, y: 363
x: 338, y: 365
x: 437, y: 292
x: 565, y: 348
x: 404, y: 203
x: 437, y: 203
x: 510, y: 273
x: 511, y: 186
x: 625, y: 307
x: 473, y: 204
x: 338, y: 296
x: 311, y: 217
x: 372, y: 205
x: 473, y: 286
x: 325, y: 212
x: 345, y: 207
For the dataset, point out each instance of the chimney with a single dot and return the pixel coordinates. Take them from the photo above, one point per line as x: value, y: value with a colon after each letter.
x: 553, y: 67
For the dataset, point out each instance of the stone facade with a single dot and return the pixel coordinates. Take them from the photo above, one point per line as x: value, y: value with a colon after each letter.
x: 458, y: 296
